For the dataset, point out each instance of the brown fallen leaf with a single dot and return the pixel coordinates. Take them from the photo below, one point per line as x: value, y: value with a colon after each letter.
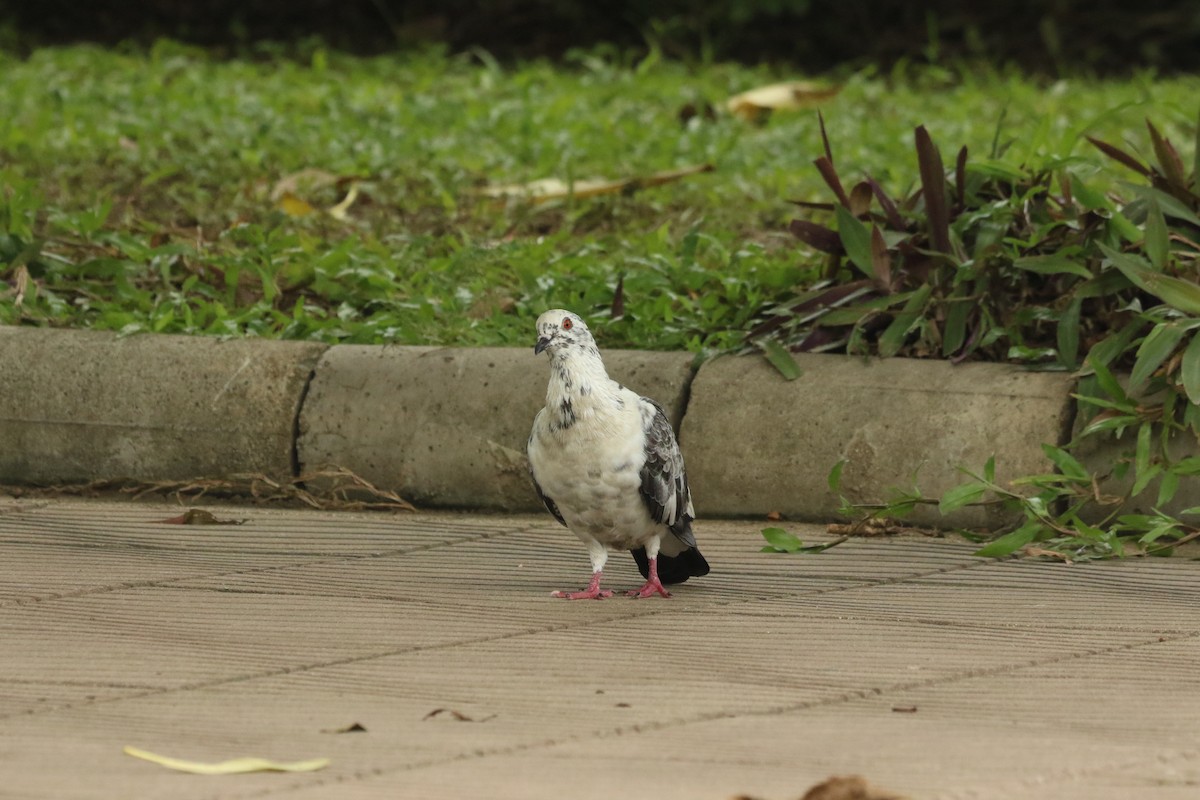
x: 848, y: 787
x: 1035, y: 551
x: 774, y: 516
x: 354, y: 727
x: 873, y: 526
x: 788, y: 96
x: 20, y: 284
x: 198, y: 516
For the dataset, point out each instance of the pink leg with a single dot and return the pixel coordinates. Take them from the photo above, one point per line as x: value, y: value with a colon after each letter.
x: 592, y: 592
x: 652, y: 586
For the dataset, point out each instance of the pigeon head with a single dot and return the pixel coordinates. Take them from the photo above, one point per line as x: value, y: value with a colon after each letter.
x: 560, y: 331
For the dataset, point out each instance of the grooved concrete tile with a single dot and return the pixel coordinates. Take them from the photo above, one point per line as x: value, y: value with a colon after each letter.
x: 523, y: 566
x: 1097, y: 723
x: 211, y: 642
x: 1030, y: 594
x: 46, y: 549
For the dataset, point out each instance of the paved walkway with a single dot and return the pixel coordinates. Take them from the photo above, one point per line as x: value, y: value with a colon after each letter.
x: 932, y: 673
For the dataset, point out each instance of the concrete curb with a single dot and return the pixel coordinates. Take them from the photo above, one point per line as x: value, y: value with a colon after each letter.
x: 78, y: 406
x: 756, y: 443
x: 447, y: 427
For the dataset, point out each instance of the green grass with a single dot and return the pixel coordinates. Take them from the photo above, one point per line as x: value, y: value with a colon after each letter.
x: 136, y: 187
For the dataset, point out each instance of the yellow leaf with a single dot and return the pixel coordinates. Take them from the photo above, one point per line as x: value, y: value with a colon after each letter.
x: 339, y: 211
x: 294, y: 206
x: 546, y: 189
x: 232, y: 767
x: 788, y: 96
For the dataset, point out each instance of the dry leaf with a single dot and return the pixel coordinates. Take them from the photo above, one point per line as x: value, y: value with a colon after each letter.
x: 788, y: 96
x: 232, y: 767
x: 1034, y: 550
x: 848, y: 787
x: 546, y: 189
x: 21, y: 283
x: 873, y: 526
x: 293, y: 206
x: 288, y: 191
x: 302, y: 182
x: 354, y: 727
x: 339, y: 211
x: 774, y: 516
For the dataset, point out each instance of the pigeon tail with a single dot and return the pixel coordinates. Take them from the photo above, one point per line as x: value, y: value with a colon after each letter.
x: 672, y: 569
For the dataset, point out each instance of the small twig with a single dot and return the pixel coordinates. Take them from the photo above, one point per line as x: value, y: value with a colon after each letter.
x: 1195, y: 534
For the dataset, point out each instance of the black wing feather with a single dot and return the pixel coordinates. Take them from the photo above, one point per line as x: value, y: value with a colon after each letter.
x: 550, y: 505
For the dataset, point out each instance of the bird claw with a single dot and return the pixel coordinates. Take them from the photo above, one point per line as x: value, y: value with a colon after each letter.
x: 650, y: 589
x: 586, y: 594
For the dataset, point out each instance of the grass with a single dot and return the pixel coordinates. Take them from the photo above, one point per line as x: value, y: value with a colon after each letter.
x: 137, y: 187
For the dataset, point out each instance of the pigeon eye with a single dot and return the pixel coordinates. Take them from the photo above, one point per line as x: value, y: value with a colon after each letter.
x: 566, y: 323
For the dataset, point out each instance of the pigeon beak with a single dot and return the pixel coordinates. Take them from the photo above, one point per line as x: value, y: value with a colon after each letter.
x: 542, y: 343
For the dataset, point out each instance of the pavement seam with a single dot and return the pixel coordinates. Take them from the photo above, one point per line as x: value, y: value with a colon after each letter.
x: 168, y: 582
x: 661, y: 725
x: 634, y: 613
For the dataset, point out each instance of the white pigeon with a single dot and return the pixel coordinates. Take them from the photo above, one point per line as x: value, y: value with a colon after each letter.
x: 605, y: 462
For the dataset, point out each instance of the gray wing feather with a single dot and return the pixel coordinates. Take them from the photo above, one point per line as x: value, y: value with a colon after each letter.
x: 664, y: 486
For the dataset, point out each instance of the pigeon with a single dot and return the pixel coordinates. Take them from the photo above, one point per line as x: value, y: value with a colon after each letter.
x: 606, y: 464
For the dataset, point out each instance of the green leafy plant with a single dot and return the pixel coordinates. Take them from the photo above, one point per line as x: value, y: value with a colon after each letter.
x: 989, y: 260
x: 1051, y: 509
x: 1032, y: 266
x: 782, y: 541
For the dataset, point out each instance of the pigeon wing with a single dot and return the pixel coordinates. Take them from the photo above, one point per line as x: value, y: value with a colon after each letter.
x: 664, y: 486
x: 550, y: 505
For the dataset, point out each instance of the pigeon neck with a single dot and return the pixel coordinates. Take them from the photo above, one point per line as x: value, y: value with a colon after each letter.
x: 579, y: 385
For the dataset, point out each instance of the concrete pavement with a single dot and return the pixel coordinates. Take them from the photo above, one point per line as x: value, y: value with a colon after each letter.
x: 933, y: 673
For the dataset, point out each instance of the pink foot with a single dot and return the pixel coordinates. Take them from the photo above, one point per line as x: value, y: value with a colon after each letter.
x: 592, y: 592
x: 652, y: 586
